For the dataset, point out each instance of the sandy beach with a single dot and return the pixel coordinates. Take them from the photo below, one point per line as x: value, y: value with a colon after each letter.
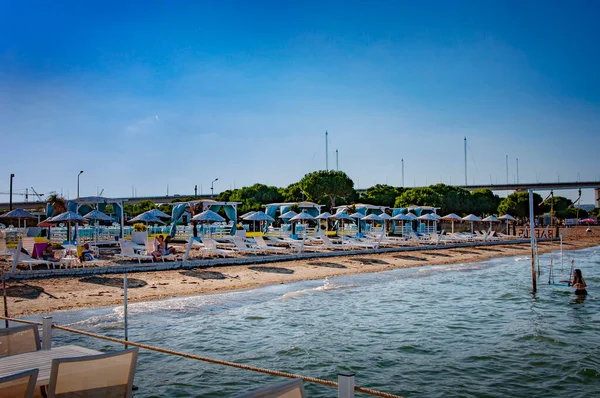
x: 56, y: 294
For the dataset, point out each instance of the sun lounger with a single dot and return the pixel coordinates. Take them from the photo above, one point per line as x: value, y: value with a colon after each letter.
x: 18, y: 257
x: 210, y: 246
x: 128, y: 253
x: 242, y: 247
x: 264, y: 247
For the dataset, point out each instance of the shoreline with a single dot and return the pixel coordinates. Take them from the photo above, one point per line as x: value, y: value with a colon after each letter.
x: 38, y: 296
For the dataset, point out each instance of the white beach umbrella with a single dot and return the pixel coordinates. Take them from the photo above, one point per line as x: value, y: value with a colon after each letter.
x: 490, y: 219
x: 158, y: 213
x: 427, y: 217
x: 68, y: 217
x: 410, y: 216
x: 208, y: 217
x: 471, y: 218
x: 373, y: 217
x: 436, y: 216
x: 341, y: 216
x: 403, y: 217
x: 452, y: 217
x: 18, y: 214
x: 288, y: 215
x: 259, y: 216
x: 508, y: 218
x: 303, y: 216
x: 147, y: 218
x: 97, y: 215
x: 324, y: 216
x: 243, y: 217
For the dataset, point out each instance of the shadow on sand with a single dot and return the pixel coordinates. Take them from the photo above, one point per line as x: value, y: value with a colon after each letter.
x: 274, y: 270
x: 411, y: 258
x: 368, y: 261
x: 114, y: 281
x: 195, y: 273
x: 25, y: 291
x: 326, y: 264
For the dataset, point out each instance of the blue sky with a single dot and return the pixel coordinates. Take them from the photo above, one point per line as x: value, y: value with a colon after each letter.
x: 155, y: 94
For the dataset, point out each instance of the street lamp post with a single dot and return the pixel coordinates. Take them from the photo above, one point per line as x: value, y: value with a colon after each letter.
x: 80, y: 172
x: 10, y: 201
x: 212, y: 190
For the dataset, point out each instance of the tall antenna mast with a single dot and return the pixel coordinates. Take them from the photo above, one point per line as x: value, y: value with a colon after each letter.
x: 326, y: 151
x: 466, y: 183
x: 403, y: 172
x: 337, y: 161
x: 517, y: 170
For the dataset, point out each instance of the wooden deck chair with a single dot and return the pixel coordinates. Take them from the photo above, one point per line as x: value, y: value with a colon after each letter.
x: 19, y: 339
x: 104, y: 375
x: 19, y: 385
x: 287, y: 389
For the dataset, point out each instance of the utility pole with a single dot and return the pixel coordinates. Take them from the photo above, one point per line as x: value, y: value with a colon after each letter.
x: 195, y: 190
x: 466, y: 183
x: 11, y: 185
x: 326, y: 151
x: 337, y: 161
x: 517, y: 170
x: 80, y: 173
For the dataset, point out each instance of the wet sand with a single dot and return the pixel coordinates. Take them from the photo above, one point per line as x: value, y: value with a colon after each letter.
x: 56, y: 294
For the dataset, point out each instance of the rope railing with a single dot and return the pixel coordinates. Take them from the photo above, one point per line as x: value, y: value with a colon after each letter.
x: 271, y: 372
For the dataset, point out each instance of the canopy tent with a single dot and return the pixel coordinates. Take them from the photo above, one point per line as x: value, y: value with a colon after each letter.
x: 18, y: 214
x: 452, y: 217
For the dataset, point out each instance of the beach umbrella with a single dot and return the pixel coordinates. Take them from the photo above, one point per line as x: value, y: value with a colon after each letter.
x: 243, y: 217
x: 402, y: 217
x: 259, y: 216
x: 18, y: 214
x: 69, y: 217
x: 208, y: 217
x: 452, y: 217
x: 158, y: 213
x: 490, y: 219
x: 324, y: 216
x: 357, y: 216
x: 508, y: 218
x: 471, y: 218
x: 303, y: 216
x: 427, y: 217
x: 97, y: 215
x: 288, y: 215
x: 373, y: 217
x: 147, y: 218
x: 341, y: 216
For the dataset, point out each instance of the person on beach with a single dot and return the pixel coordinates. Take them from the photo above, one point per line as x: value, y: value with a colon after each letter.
x: 86, y: 254
x: 169, y: 249
x: 579, y: 283
x: 160, y: 248
x: 48, y: 253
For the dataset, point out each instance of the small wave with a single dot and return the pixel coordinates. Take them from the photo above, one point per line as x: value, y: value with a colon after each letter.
x: 327, y: 285
x: 522, y: 258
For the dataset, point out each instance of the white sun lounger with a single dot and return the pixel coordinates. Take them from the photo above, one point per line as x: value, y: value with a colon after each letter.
x: 264, y: 247
x: 210, y: 246
x: 128, y: 253
x: 19, y: 257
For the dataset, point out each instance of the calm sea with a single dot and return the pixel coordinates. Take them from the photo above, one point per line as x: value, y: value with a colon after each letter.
x: 462, y: 330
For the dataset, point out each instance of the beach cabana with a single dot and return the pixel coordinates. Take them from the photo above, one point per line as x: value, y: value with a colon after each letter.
x: 179, y: 208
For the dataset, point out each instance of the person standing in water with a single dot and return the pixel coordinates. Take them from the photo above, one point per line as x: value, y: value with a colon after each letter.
x: 579, y: 283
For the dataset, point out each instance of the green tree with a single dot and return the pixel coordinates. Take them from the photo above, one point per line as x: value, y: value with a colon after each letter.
x: 58, y: 203
x: 517, y: 205
x: 595, y: 212
x: 454, y: 199
x: 293, y: 193
x: 252, y: 198
x: 326, y: 186
x: 419, y: 197
x: 381, y: 195
x: 559, y: 207
x: 483, y: 201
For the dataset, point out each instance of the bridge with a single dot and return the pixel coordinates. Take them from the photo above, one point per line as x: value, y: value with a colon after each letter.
x: 538, y: 186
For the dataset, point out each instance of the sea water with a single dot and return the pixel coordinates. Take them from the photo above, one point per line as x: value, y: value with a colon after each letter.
x: 460, y: 330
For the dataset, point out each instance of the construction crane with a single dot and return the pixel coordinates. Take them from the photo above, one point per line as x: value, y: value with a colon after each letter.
x: 26, y: 194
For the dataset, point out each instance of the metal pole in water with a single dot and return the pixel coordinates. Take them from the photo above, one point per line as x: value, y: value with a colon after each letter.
x: 532, y: 233
x: 46, y: 333
x: 125, y: 307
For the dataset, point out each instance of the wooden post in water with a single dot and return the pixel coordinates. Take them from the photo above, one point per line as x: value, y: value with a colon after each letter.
x: 4, y: 299
x: 125, y: 307
x: 532, y: 238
